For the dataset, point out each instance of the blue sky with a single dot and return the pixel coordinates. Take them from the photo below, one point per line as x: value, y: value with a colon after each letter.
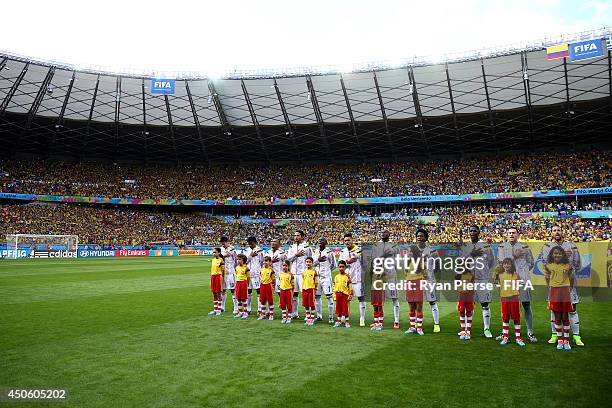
x: 216, y: 36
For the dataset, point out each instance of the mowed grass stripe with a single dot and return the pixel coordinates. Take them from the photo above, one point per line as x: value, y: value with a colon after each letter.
x: 101, y: 274
x: 37, y: 267
x: 97, y: 276
x: 42, y: 323
x: 73, y: 290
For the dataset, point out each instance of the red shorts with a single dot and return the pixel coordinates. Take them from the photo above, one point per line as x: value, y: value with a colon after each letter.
x: 377, y: 297
x: 286, y: 299
x: 559, y: 299
x: 308, y: 298
x: 465, y: 301
x: 511, y: 309
x: 265, y: 294
x: 215, y: 283
x: 414, y: 293
x: 242, y: 290
x: 342, y: 304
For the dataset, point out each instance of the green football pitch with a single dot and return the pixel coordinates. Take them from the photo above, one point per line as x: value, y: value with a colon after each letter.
x: 135, y: 333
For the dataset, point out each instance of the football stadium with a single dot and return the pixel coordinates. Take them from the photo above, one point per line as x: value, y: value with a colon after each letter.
x: 327, y: 214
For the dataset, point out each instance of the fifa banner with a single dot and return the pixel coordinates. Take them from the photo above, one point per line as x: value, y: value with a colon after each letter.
x: 314, y: 201
x: 15, y: 253
x: 161, y: 86
x: 583, y: 50
x: 593, y: 271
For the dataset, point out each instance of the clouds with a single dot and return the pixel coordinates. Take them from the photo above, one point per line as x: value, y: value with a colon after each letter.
x: 219, y: 36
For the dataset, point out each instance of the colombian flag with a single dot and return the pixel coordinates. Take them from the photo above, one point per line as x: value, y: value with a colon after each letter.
x: 557, y: 51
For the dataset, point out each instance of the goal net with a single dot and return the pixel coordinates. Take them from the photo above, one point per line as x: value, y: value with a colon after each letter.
x: 41, y: 246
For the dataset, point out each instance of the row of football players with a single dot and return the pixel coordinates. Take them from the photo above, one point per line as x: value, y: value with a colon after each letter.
x: 302, y: 257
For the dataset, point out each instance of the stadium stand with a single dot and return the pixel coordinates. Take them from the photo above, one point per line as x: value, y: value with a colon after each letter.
x: 526, y: 172
x: 112, y: 226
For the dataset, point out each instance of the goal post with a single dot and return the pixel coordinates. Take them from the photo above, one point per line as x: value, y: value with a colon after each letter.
x: 41, y: 246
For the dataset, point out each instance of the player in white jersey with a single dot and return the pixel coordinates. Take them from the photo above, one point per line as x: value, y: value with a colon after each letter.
x: 523, y: 260
x: 477, y: 248
x: 278, y: 257
x: 574, y: 257
x: 351, y: 254
x: 255, y: 255
x: 229, y: 254
x: 429, y: 255
x: 324, y: 262
x: 386, y: 249
x: 297, y: 254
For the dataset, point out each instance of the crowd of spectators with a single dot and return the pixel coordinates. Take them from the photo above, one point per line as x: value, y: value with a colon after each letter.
x: 130, y: 226
x: 567, y: 207
x: 526, y: 172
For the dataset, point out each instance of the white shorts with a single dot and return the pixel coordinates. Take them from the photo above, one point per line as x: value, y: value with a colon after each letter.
x: 357, y: 289
x: 391, y: 281
x: 525, y: 295
x: 574, y: 296
x: 326, y: 287
x: 255, y: 282
x: 299, y: 281
x: 277, y: 287
x: 430, y: 295
x: 230, y: 282
x: 483, y: 295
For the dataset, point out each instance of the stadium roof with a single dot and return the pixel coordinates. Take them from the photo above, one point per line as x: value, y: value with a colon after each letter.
x: 519, y: 100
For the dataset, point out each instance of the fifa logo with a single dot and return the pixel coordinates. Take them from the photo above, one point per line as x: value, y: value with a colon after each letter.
x: 585, y: 48
x: 162, y: 85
